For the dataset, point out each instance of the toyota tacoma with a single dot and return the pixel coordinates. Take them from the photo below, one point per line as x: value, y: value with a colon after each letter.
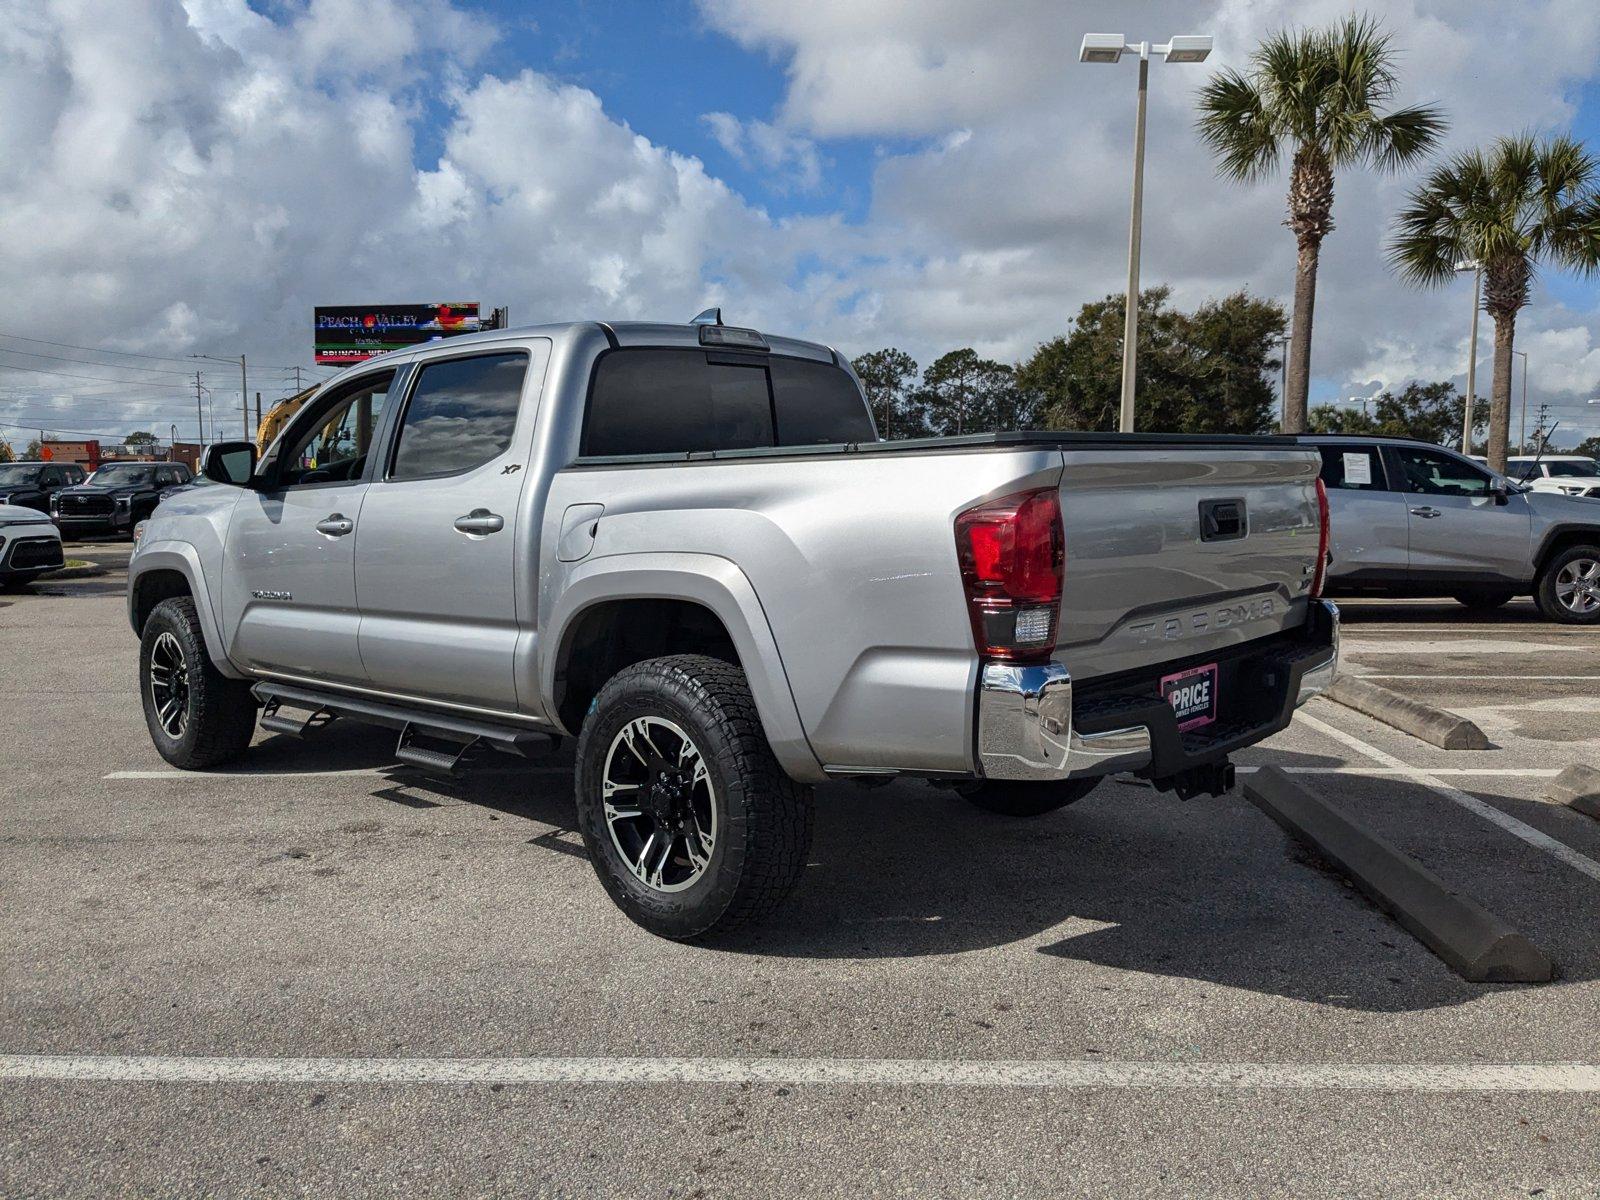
x: 685, y: 547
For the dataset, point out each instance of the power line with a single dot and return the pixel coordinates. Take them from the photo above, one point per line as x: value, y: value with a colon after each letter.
x: 89, y: 362
x: 17, y: 337
x: 71, y: 375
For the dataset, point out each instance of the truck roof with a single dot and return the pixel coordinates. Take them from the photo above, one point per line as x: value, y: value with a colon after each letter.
x: 618, y: 333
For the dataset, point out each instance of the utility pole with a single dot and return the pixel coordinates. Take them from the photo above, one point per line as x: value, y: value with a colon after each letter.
x: 199, y: 411
x: 244, y: 389
x: 258, y: 412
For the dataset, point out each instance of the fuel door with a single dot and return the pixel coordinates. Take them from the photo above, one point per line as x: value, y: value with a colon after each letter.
x: 579, y: 524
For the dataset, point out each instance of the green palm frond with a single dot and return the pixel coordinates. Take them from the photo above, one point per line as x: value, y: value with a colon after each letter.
x: 1325, y: 90
x: 1520, y: 200
x: 1234, y: 122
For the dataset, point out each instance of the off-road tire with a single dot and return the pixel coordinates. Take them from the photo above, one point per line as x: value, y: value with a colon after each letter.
x: 1011, y: 798
x: 1545, y: 594
x: 221, y: 712
x: 764, y: 817
x: 1485, y: 602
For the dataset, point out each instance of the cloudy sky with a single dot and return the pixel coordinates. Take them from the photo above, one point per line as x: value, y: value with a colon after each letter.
x: 186, y: 177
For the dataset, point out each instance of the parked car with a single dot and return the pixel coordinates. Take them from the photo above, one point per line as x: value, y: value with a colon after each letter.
x: 686, y: 547
x: 31, y: 484
x: 30, y: 546
x: 1569, y: 474
x: 116, y: 497
x: 1414, y: 519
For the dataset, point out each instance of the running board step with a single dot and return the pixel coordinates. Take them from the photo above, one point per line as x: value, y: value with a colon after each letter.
x: 455, y: 730
x: 411, y: 750
x: 275, y: 720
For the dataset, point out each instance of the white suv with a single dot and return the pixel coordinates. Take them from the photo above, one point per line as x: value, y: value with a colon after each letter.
x: 1569, y: 474
x: 30, y: 545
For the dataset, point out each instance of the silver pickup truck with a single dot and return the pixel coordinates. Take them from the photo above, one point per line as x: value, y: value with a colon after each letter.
x: 684, y: 546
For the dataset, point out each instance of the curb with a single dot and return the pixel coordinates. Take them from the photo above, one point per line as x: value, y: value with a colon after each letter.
x: 1578, y: 787
x: 1471, y: 940
x: 1434, y: 725
x: 66, y: 574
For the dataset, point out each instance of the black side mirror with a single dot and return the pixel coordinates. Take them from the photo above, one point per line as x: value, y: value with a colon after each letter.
x: 229, y: 462
x: 1501, y: 490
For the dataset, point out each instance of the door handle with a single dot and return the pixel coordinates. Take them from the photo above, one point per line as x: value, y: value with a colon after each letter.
x: 1426, y: 512
x: 335, y: 525
x: 480, y: 521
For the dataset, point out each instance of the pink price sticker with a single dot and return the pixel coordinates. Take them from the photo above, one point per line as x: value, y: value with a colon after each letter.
x: 1193, y: 696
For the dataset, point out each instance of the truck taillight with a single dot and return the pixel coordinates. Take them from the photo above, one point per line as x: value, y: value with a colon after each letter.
x: 1012, y: 553
x: 1320, y: 575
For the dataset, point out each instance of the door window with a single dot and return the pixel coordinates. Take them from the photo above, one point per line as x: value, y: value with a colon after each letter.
x: 1353, y: 468
x: 461, y: 415
x: 333, y: 449
x: 1432, y: 473
x: 52, y: 478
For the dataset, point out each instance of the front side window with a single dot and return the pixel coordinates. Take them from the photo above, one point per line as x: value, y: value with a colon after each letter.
x: 1352, y: 468
x: 52, y: 477
x: 461, y: 414
x: 334, y: 449
x: 1435, y: 474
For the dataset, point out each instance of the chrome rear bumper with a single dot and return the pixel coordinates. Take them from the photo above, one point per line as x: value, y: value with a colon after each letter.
x: 1025, y: 719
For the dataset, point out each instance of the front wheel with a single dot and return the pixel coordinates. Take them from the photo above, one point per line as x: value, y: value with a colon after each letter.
x: 1569, y: 586
x: 692, y: 826
x: 1011, y: 798
x: 197, y: 716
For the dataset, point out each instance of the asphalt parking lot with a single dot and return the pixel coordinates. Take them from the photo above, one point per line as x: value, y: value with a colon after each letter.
x: 1132, y: 996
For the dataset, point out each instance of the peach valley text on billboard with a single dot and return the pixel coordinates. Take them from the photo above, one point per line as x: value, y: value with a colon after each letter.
x: 352, y: 334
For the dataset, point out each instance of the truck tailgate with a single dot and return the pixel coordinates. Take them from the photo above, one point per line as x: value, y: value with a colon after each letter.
x: 1175, y: 552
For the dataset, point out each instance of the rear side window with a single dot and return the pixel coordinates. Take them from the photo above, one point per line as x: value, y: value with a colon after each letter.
x: 461, y: 415
x: 675, y: 401
x: 1352, y: 468
x: 681, y: 401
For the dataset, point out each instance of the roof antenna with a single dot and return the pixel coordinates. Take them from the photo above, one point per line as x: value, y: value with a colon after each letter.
x: 711, y: 316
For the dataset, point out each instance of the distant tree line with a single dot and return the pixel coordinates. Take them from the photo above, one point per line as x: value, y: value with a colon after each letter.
x: 1206, y: 371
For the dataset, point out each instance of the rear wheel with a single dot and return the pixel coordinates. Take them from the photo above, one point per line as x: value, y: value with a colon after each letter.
x: 692, y: 826
x: 1012, y: 798
x: 1569, y: 586
x: 197, y: 716
x: 1485, y: 601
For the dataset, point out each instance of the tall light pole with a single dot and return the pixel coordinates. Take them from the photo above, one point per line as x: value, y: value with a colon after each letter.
x: 1522, y: 437
x: 1109, y: 48
x: 1476, y: 267
x: 244, y: 390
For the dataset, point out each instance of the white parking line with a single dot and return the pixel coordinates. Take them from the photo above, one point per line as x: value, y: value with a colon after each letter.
x: 251, y: 775
x: 1357, y: 645
x: 1510, y: 772
x: 1543, y: 841
x: 1496, y: 678
x: 853, y: 1072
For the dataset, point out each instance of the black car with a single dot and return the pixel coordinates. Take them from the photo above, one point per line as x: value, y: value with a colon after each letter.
x: 31, y: 484
x: 116, y: 497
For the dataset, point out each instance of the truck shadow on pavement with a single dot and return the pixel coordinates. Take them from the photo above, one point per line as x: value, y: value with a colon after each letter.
x: 1129, y: 879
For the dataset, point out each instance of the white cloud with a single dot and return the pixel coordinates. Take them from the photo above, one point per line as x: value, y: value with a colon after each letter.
x: 792, y: 160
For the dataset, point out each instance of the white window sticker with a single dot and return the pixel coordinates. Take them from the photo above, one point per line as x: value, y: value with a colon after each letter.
x: 1358, y: 469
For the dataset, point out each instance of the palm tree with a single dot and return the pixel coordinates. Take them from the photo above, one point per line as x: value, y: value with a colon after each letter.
x: 1319, y: 94
x: 1521, y: 201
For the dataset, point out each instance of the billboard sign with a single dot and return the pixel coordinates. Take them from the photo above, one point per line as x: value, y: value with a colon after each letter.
x: 352, y: 334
